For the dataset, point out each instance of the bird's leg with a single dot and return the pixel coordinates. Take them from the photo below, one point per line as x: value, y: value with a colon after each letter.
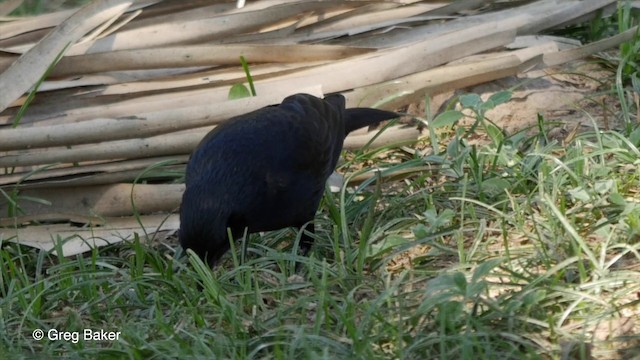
x: 245, y: 245
x: 306, y: 240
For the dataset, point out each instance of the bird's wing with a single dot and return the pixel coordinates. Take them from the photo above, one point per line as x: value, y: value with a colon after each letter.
x: 319, y: 127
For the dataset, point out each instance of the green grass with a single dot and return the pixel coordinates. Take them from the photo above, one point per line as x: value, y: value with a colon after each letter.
x: 531, y: 246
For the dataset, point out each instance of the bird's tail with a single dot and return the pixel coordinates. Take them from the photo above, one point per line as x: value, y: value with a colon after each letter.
x: 360, y: 117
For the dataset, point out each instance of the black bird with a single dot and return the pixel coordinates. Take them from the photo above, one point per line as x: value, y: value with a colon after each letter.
x: 265, y: 170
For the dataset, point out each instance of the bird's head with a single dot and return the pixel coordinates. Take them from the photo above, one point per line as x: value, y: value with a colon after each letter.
x: 203, y: 226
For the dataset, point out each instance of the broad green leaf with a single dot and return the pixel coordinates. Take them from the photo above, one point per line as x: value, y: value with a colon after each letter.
x: 500, y: 97
x: 617, y: 199
x: 238, y: 91
x: 579, y: 193
x: 495, y: 186
x: 471, y: 101
x: 494, y: 133
x: 386, y: 244
x: 447, y: 118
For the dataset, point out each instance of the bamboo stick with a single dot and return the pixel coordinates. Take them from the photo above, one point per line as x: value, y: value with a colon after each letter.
x: 75, y: 240
x: 23, y: 73
x: 191, y: 56
x: 139, y: 126
x: 75, y: 174
x: 103, y: 200
x: 176, y: 143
